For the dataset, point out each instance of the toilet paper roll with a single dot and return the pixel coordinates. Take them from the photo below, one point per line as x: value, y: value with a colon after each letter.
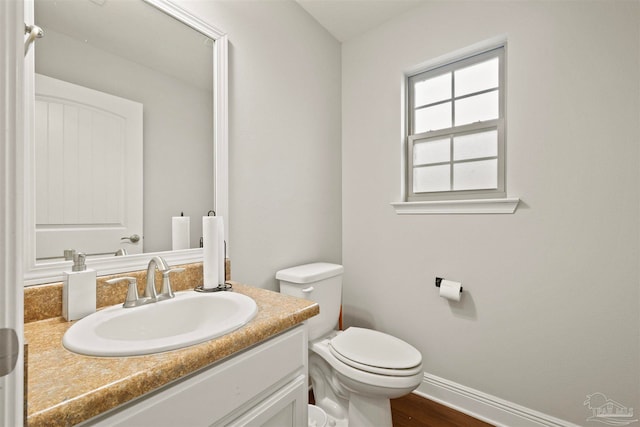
x: 450, y: 290
x: 210, y: 251
x: 180, y: 232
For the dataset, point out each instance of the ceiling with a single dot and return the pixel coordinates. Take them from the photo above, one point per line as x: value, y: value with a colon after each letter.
x: 346, y: 19
x: 134, y: 30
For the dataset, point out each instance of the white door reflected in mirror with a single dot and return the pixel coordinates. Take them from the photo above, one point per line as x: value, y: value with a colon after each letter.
x: 88, y: 170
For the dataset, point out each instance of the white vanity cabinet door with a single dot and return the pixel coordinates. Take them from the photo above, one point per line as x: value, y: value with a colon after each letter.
x: 285, y: 408
x: 263, y: 382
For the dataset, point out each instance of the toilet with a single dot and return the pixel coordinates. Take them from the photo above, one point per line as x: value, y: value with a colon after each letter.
x: 354, y: 372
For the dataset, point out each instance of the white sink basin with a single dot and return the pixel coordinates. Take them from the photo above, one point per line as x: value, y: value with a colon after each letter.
x: 189, y: 318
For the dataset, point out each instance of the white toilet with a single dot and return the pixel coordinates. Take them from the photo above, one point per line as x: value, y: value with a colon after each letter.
x: 354, y: 372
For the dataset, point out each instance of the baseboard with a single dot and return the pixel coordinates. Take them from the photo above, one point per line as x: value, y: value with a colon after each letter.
x: 483, y: 406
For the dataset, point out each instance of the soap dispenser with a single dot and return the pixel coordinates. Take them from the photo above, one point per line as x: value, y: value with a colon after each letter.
x: 78, y: 290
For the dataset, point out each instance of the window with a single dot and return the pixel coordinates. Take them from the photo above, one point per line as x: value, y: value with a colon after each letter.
x: 455, y: 129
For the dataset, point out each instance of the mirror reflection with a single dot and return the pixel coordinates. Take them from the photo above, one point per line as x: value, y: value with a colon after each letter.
x: 123, y: 128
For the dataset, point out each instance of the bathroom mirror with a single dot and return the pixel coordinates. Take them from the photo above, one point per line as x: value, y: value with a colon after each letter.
x: 171, y: 63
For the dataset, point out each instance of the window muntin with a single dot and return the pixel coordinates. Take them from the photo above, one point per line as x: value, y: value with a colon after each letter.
x: 456, y: 129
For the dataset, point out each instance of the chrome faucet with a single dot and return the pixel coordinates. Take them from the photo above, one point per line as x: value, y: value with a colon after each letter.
x: 166, y: 292
x: 150, y: 289
x: 150, y: 294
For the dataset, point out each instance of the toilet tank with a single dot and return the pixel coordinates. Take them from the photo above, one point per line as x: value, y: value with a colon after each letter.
x: 320, y: 282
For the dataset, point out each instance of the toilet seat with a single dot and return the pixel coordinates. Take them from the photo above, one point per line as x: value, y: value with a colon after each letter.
x: 376, y: 352
x: 322, y: 349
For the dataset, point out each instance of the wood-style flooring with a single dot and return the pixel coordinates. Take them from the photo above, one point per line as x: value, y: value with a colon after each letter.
x: 415, y: 411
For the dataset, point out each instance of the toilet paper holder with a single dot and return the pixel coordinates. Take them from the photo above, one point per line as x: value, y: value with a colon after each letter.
x: 439, y: 280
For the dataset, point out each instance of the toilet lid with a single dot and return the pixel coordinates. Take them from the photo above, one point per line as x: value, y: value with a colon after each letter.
x: 376, y: 352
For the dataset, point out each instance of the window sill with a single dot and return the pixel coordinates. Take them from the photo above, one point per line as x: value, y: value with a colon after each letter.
x: 476, y: 206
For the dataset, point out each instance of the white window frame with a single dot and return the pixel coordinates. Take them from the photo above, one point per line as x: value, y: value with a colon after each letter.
x: 492, y: 200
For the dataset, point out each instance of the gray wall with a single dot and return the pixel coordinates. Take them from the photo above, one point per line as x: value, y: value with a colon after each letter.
x: 551, y: 308
x: 284, y: 137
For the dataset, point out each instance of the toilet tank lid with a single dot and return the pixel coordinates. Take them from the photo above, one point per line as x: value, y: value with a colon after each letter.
x: 309, y: 272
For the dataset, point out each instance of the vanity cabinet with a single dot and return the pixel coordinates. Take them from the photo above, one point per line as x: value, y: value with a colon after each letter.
x: 265, y: 385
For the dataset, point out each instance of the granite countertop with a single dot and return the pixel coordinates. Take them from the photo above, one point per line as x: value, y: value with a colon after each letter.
x: 65, y: 388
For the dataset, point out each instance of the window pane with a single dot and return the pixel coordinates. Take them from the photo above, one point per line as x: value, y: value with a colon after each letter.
x: 432, y: 118
x: 431, y: 151
x: 475, y: 175
x: 472, y: 146
x: 431, y: 178
x: 432, y: 90
x: 477, y: 77
x: 477, y: 108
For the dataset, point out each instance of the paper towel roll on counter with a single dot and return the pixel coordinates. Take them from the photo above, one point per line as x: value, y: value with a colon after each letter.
x: 450, y: 290
x: 221, y: 253
x: 212, y: 251
x: 180, y: 232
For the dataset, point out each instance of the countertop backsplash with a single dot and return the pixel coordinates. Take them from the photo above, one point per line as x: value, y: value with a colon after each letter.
x: 45, y: 301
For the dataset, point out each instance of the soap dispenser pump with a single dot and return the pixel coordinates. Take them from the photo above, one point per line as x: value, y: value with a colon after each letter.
x: 78, y: 290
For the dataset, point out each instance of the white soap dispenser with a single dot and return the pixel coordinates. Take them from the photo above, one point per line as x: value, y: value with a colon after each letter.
x: 78, y: 290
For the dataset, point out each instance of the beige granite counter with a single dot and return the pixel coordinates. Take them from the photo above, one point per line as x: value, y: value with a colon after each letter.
x: 65, y: 388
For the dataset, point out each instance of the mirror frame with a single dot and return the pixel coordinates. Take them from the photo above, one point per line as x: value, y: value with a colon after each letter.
x: 38, y: 273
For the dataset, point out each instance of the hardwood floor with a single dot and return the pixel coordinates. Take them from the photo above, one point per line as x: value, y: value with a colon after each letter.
x: 415, y: 411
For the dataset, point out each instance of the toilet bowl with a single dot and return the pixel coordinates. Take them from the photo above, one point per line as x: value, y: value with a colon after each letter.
x: 354, y: 372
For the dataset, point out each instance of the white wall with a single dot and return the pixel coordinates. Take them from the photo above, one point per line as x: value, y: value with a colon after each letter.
x: 284, y: 137
x: 178, y: 130
x: 551, y: 309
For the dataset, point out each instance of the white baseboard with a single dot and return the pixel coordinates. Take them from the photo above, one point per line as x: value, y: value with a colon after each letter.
x: 483, y: 406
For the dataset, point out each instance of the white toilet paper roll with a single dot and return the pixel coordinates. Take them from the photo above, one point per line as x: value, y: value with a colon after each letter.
x: 210, y: 251
x: 180, y: 232
x: 450, y: 290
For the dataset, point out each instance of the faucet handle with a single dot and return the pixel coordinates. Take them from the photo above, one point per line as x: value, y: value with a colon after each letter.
x: 132, y: 292
x: 166, y: 292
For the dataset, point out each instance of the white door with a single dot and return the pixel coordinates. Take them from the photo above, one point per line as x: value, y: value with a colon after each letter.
x: 88, y: 170
x: 11, y: 211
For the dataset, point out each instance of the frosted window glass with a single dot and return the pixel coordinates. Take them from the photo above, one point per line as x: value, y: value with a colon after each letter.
x: 432, y: 118
x: 432, y: 151
x: 475, y: 175
x: 472, y: 146
x: 477, y: 108
x: 431, y: 178
x: 477, y: 77
x: 432, y: 90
